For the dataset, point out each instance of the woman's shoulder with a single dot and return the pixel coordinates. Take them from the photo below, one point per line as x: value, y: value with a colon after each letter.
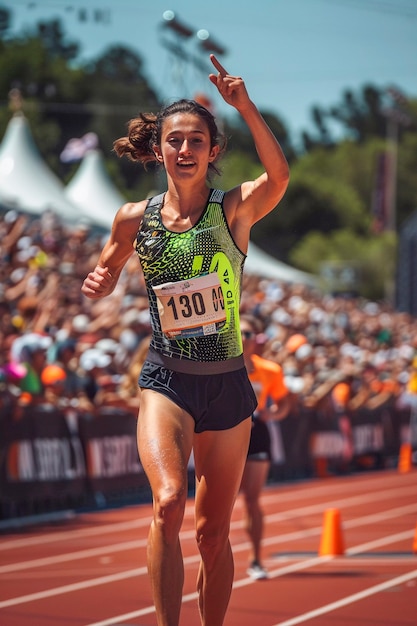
x: 131, y: 210
x: 128, y: 218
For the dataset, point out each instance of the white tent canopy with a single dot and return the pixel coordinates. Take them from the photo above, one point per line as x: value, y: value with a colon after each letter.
x: 92, y: 191
x: 262, y: 264
x: 28, y: 185
x: 26, y: 182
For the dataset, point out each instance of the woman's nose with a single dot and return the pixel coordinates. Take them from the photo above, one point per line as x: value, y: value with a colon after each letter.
x: 185, y: 149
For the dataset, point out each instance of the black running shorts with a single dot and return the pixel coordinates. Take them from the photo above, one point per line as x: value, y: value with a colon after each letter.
x: 214, y: 401
x: 260, y: 442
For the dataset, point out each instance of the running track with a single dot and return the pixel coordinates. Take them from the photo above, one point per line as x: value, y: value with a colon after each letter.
x: 89, y: 570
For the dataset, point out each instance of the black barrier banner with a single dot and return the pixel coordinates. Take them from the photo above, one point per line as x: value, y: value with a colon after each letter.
x: 42, y: 455
x: 109, y: 440
x: 290, y: 446
x: 55, y: 455
x: 327, y: 437
x: 368, y: 430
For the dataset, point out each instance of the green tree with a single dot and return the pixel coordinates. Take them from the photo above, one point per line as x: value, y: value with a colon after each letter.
x: 118, y: 90
x: 360, y: 116
x: 38, y: 65
x: 373, y: 258
x: 63, y: 99
x: 329, y: 202
x: 241, y: 141
x: 4, y: 23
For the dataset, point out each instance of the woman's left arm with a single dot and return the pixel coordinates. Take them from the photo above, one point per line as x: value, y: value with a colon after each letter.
x: 256, y: 198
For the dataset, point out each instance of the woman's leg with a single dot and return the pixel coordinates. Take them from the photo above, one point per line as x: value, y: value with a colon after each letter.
x: 219, y: 461
x: 165, y: 437
x: 254, y: 478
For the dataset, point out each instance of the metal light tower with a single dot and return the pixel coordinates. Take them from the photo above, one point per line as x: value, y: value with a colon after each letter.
x: 178, y: 38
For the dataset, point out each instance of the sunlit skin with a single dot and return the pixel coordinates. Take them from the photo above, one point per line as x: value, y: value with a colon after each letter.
x: 244, y: 205
x: 185, y: 151
x: 165, y: 431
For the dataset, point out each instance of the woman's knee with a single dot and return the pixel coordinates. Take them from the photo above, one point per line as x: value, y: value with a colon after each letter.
x: 169, y: 506
x: 212, y: 538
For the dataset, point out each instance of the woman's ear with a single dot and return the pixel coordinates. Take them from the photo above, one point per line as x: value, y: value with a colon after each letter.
x: 214, y: 153
x: 158, y: 154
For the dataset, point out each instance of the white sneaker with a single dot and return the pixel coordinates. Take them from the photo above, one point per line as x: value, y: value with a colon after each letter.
x: 256, y: 571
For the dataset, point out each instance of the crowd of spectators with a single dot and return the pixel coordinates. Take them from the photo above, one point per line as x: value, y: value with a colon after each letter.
x: 59, y: 347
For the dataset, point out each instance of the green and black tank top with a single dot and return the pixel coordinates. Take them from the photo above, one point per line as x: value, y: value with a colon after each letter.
x: 193, y: 280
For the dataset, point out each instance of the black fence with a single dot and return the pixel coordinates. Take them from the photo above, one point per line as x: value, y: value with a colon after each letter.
x: 53, y: 460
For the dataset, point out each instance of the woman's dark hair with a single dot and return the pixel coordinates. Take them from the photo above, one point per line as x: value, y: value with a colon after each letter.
x: 145, y: 131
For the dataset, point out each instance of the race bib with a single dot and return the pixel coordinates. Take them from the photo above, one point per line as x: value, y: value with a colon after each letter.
x: 191, y: 308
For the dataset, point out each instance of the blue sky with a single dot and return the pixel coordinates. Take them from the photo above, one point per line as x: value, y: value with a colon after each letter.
x: 293, y: 54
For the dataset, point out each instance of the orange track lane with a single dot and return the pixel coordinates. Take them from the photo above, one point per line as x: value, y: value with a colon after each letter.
x: 90, y: 569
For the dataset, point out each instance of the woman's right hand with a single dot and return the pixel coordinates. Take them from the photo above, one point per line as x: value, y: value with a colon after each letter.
x: 98, y: 283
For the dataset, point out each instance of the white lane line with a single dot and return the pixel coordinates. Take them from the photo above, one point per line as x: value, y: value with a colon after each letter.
x: 186, y: 535
x: 293, y: 567
x: 277, y: 539
x: 327, y: 488
x: 356, y: 597
x: 93, y: 582
x: 344, y: 503
x: 193, y: 596
x: 383, y: 541
x: 73, y: 556
x: 282, y: 572
x: 353, y: 523
x: 75, y: 533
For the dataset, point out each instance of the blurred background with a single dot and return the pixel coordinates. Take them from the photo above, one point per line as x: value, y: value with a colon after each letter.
x: 336, y: 265
x: 335, y: 80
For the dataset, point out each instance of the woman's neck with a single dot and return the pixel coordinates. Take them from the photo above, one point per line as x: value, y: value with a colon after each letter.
x: 186, y: 201
x: 181, y: 210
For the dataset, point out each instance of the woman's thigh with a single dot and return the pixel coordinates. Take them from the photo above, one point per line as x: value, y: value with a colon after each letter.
x: 219, y: 458
x: 165, y: 438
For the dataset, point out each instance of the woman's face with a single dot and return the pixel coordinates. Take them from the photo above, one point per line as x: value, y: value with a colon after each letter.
x: 185, y: 148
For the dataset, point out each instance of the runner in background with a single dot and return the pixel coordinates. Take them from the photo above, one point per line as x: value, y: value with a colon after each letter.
x: 267, y: 379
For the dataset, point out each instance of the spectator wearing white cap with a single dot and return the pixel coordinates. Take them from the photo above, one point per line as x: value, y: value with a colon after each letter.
x: 93, y: 362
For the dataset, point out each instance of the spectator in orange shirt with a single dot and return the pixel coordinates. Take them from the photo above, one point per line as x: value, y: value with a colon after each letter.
x: 267, y: 379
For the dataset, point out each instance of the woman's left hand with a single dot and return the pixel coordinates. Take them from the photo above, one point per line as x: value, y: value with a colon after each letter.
x: 231, y: 88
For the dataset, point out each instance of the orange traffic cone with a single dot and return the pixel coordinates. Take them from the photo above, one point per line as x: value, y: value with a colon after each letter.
x: 405, y: 458
x: 415, y: 542
x: 331, y: 543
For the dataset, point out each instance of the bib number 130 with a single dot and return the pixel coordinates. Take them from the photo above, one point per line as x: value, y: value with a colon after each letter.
x: 196, y: 304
